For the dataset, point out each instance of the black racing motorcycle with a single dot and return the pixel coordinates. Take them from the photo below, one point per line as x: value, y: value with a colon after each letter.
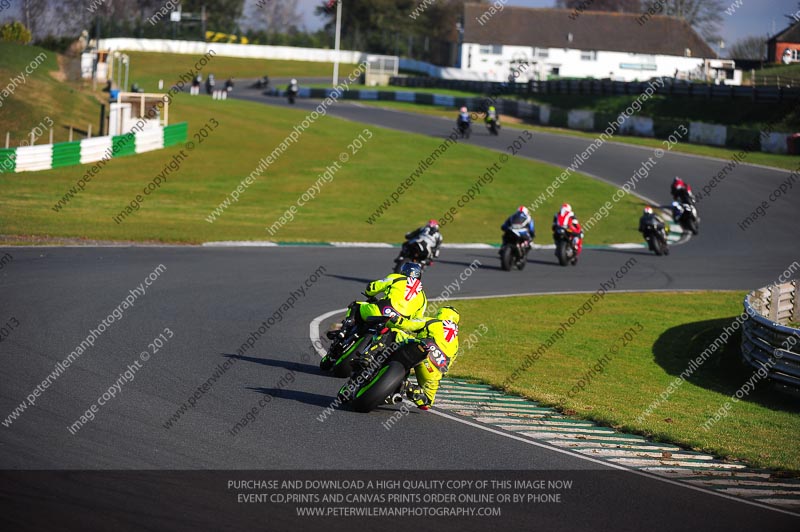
x: 351, y: 341
x: 464, y: 128
x: 565, y: 247
x: 515, y: 248
x: 493, y: 126
x: 291, y: 93
x: 415, y: 250
x: 381, y: 374
x: 656, y: 237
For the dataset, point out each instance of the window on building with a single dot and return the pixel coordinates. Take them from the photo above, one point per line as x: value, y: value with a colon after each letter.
x: 492, y: 49
x: 588, y: 55
x: 542, y: 53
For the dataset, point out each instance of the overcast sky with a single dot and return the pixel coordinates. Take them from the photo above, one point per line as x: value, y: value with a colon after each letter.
x: 753, y: 17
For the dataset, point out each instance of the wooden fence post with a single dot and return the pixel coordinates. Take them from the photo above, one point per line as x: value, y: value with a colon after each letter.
x: 774, y: 302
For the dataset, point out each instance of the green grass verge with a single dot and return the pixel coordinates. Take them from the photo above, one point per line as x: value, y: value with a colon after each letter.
x: 42, y: 96
x: 147, y: 68
x: 787, y: 162
x: 250, y: 131
x: 787, y: 71
x: 667, y: 331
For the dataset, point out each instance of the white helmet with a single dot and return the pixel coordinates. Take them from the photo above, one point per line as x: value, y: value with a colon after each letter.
x: 293, y: 81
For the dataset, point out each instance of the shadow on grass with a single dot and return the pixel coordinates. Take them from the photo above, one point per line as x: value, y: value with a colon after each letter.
x: 723, y: 371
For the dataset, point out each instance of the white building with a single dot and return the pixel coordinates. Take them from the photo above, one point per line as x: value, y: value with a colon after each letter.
x: 593, y: 44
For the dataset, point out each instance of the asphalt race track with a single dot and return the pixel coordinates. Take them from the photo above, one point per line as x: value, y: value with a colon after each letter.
x: 140, y: 463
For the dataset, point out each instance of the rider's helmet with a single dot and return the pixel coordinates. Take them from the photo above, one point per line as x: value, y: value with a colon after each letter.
x: 463, y: 109
x: 433, y: 224
x: 411, y: 269
x: 492, y: 109
x: 448, y: 313
x: 678, y: 182
x: 524, y: 210
x: 293, y: 81
x: 566, y: 207
x: 648, y: 210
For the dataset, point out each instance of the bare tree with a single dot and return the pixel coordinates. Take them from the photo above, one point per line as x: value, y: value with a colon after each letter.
x: 705, y: 16
x: 272, y: 15
x: 749, y: 48
x: 794, y: 17
x: 33, y: 13
x: 622, y: 6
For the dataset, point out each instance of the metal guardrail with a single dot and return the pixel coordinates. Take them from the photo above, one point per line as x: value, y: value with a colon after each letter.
x: 601, y: 87
x: 767, y: 341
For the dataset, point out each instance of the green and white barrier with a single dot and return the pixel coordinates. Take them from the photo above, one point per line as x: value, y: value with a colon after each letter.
x: 48, y: 156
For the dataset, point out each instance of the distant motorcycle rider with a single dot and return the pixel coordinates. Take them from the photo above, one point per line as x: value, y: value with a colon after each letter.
x: 463, y: 119
x: 649, y: 220
x: 520, y: 219
x: 678, y: 211
x: 566, y: 218
x: 430, y: 235
x: 681, y: 191
x: 439, y: 335
x: 492, y: 116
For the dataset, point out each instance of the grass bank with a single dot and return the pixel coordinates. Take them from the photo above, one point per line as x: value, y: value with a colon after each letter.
x: 246, y: 133
x: 665, y: 331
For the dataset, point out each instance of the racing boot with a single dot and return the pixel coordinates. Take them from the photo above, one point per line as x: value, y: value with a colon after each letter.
x: 417, y: 395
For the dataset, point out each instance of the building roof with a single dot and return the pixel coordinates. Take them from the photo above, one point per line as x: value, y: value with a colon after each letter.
x: 790, y: 34
x: 591, y: 30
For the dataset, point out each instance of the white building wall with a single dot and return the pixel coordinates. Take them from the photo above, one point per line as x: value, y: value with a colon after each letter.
x: 496, y: 62
x: 252, y: 51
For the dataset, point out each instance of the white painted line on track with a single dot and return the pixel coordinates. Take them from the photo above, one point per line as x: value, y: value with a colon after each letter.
x: 361, y: 245
x: 241, y: 244
x: 614, y: 466
x: 475, y: 245
x: 625, y: 246
x: 694, y: 474
x: 313, y: 330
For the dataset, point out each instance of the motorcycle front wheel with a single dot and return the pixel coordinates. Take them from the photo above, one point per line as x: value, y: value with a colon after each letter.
x: 561, y: 252
x: 505, y: 258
